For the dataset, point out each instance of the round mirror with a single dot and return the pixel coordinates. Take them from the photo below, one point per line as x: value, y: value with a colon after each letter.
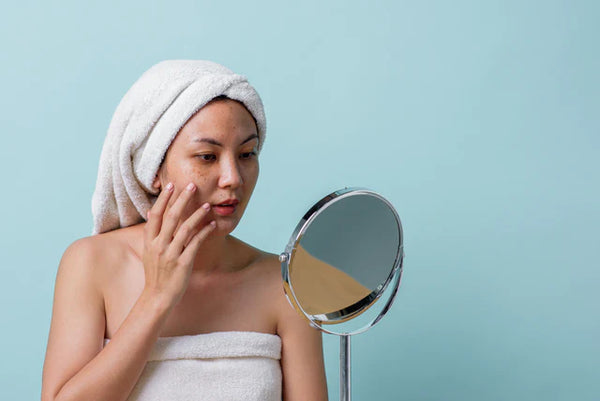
x: 344, y: 257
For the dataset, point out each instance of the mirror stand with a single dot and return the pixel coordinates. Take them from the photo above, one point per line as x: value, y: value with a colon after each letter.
x: 345, y: 389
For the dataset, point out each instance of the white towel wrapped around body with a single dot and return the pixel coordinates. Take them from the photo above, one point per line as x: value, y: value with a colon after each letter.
x: 232, y: 365
x: 145, y: 123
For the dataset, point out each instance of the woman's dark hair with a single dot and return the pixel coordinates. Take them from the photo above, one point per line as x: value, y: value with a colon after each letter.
x: 220, y: 97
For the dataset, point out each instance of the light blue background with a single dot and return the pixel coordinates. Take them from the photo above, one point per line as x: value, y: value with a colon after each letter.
x: 478, y: 120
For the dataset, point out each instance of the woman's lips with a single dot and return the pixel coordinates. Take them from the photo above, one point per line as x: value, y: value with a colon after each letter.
x: 224, y: 210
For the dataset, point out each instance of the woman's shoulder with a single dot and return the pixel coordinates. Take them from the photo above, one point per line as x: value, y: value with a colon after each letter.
x: 100, y: 246
x: 93, y: 256
x: 253, y: 256
x: 266, y: 270
x: 262, y: 266
x: 290, y: 324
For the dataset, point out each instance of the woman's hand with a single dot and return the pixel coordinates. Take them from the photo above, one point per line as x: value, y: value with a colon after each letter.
x: 168, y: 255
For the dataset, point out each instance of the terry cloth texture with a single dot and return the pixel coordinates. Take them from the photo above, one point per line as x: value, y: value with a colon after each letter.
x: 232, y: 365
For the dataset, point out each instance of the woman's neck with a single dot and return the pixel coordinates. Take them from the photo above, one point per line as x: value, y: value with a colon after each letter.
x: 214, y: 255
x: 217, y: 253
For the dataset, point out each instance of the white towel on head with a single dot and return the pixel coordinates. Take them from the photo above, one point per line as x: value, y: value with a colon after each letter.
x: 234, y: 365
x: 145, y: 123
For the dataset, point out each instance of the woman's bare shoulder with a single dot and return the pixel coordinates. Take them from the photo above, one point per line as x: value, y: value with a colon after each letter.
x: 270, y: 260
x: 94, y: 255
x: 269, y: 266
x: 81, y: 254
x: 253, y: 256
x: 264, y: 268
x: 268, y: 263
x: 95, y: 247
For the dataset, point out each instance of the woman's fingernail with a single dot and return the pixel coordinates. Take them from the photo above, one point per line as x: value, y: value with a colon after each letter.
x: 206, y: 206
x: 213, y: 223
x: 190, y: 186
x: 169, y: 186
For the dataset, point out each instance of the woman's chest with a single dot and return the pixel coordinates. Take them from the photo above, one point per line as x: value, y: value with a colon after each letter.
x: 236, y: 302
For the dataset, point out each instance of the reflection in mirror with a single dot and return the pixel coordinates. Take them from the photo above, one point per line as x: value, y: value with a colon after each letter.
x: 322, y: 288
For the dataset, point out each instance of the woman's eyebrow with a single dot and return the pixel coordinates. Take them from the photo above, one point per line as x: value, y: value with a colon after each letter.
x: 217, y: 143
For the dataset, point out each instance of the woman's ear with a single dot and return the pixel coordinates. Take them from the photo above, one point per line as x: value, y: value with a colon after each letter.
x: 156, y: 184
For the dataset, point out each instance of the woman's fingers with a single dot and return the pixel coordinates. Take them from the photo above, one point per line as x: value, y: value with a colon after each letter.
x: 155, y: 216
x: 166, y: 268
x: 173, y: 215
x: 189, y: 253
x: 188, y: 229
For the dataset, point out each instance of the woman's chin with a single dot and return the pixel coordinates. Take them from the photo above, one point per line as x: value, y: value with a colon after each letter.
x: 225, y: 226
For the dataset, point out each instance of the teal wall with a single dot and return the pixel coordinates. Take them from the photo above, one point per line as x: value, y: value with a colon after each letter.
x: 479, y: 120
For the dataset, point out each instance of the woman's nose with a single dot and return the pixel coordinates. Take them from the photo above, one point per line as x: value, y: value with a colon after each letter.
x: 230, y: 174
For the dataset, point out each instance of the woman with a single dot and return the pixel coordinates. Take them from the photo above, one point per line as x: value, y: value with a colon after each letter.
x: 162, y: 302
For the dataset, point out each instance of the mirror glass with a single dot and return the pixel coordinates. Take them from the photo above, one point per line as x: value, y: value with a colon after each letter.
x: 342, y: 257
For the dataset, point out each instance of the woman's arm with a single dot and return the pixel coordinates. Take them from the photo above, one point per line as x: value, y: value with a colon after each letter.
x: 76, y: 366
x: 301, y: 356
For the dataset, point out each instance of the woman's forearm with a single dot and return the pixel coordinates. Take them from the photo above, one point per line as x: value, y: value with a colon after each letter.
x: 114, y: 371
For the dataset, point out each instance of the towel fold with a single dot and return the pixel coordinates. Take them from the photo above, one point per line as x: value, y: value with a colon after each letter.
x: 145, y: 123
x: 234, y: 365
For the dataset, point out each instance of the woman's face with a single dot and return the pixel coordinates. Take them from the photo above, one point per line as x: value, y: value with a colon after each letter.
x: 217, y: 151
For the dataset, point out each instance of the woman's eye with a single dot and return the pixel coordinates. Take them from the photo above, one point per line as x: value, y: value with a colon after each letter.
x: 207, y: 157
x: 248, y: 155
